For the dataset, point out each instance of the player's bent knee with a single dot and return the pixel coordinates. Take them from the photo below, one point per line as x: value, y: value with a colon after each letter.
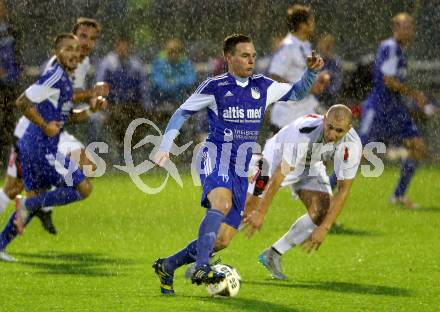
x: 85, y: 188
x: 221, y: 204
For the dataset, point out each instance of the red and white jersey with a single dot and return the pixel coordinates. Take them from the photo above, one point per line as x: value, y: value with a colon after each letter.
x: 302, y: 146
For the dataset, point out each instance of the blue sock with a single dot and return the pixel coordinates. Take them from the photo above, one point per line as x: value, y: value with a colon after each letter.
x: 407, y: 171
x: 185, y: 256
x: 58, y: 197
x: 333, y: 180
x: 9, y: 232
x: 207, y: 235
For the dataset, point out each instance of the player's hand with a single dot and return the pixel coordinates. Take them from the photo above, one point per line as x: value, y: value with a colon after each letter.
x: 315, y: 240
x: 322, y: 82
x: 98, y: 103
x: 421, y: 99
x: 315, y: 61
x: 161, y: 158
x: 252, y: 223
x: 101, y: 89
x: 52, y: 128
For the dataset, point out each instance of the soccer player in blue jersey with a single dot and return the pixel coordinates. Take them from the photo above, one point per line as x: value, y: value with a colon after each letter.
x: 88, y: 31
x: 48, y: 105
x: 385, y: 118
x: 236, y: 102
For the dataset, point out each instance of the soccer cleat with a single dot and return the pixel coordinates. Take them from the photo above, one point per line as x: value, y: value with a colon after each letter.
x: 46, y: 220
x: 403, y: 201
x: 206, y: 275
x: 4, y: 256
x: 21, y: 214
x: 166, y: 279
x: 192, y: 267
x: 271, y: 260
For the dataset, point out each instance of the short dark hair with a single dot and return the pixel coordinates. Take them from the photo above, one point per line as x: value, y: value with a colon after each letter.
x: 60, y: 38
x: 88, y: 22
x: 297, y: 14
x: 231, y: 42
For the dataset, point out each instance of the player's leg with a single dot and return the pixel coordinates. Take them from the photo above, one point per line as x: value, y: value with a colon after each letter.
x: 316, y: 204
x: 405, y: 132
x: 13, y: 186
x: 73, y: 186
x: 13, y: 181
x: 11, y: 230
x: 315, y: 192
x: 417, y: 152
x: 208, y: 229
x: 71, y: 146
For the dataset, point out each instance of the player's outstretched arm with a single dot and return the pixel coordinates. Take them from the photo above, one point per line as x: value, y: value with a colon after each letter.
x: 396, y: 85
x: 96, y: 103
x: 254, y: 221
x: 171, y: 132
x: 336, y: 205
x: 99, y: 89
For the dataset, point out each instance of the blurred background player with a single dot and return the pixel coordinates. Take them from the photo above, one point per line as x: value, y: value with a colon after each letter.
x: 332, y: 67
x: 48, y: 106
x: 87, y: 31
x: 385, y: 117
x: 288, y: 65
x: 295, y: 156
x: 129, y: 92
x: 10, y: 73
x: 236, y: 103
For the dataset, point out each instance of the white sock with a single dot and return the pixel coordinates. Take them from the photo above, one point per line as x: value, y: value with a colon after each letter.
x: 47, y: 209
x: 298, y: 233
x: 4, y: 201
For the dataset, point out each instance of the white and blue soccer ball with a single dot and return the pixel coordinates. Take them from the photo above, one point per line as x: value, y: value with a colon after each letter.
x: 230, y: 286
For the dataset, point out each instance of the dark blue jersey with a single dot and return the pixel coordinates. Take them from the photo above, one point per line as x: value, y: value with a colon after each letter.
x: 390, y: 61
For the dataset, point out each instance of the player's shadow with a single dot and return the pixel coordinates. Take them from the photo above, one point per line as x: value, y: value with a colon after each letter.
x: 340, y: 229
x: 343, y: 287
x: 424, y: 209
x: 246, y: 304
x: 87, y: 264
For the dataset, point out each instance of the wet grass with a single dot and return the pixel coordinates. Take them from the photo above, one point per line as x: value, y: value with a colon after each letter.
x: 379, y: 258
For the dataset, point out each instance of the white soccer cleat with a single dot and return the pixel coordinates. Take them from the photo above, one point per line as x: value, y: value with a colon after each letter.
x: 4, y: 256
x: 272, y: 262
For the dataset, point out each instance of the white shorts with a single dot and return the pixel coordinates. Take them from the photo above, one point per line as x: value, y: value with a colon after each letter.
x: 312, y: 179
x: 68, y: 143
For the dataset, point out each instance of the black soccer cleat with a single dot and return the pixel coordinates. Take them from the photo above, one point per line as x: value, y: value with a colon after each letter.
x: 166, y: 279
x: 46, y: 221
x: 206, y: 275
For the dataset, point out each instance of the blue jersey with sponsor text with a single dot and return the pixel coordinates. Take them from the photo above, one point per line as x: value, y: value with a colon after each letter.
x: 236, y: 111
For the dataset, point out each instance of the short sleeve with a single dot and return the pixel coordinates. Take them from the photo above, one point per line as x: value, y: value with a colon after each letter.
x: 37, y: 93
x: 389, y: 60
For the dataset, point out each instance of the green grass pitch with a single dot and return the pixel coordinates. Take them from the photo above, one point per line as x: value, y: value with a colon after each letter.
x: 383, y: 258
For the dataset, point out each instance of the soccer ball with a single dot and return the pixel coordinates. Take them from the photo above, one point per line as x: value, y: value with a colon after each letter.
x: 230, y: 286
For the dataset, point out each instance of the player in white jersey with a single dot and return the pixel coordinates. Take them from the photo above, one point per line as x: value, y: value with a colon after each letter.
x: 87, y: 30
x: 289, y: 63
x: 295, y: 157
